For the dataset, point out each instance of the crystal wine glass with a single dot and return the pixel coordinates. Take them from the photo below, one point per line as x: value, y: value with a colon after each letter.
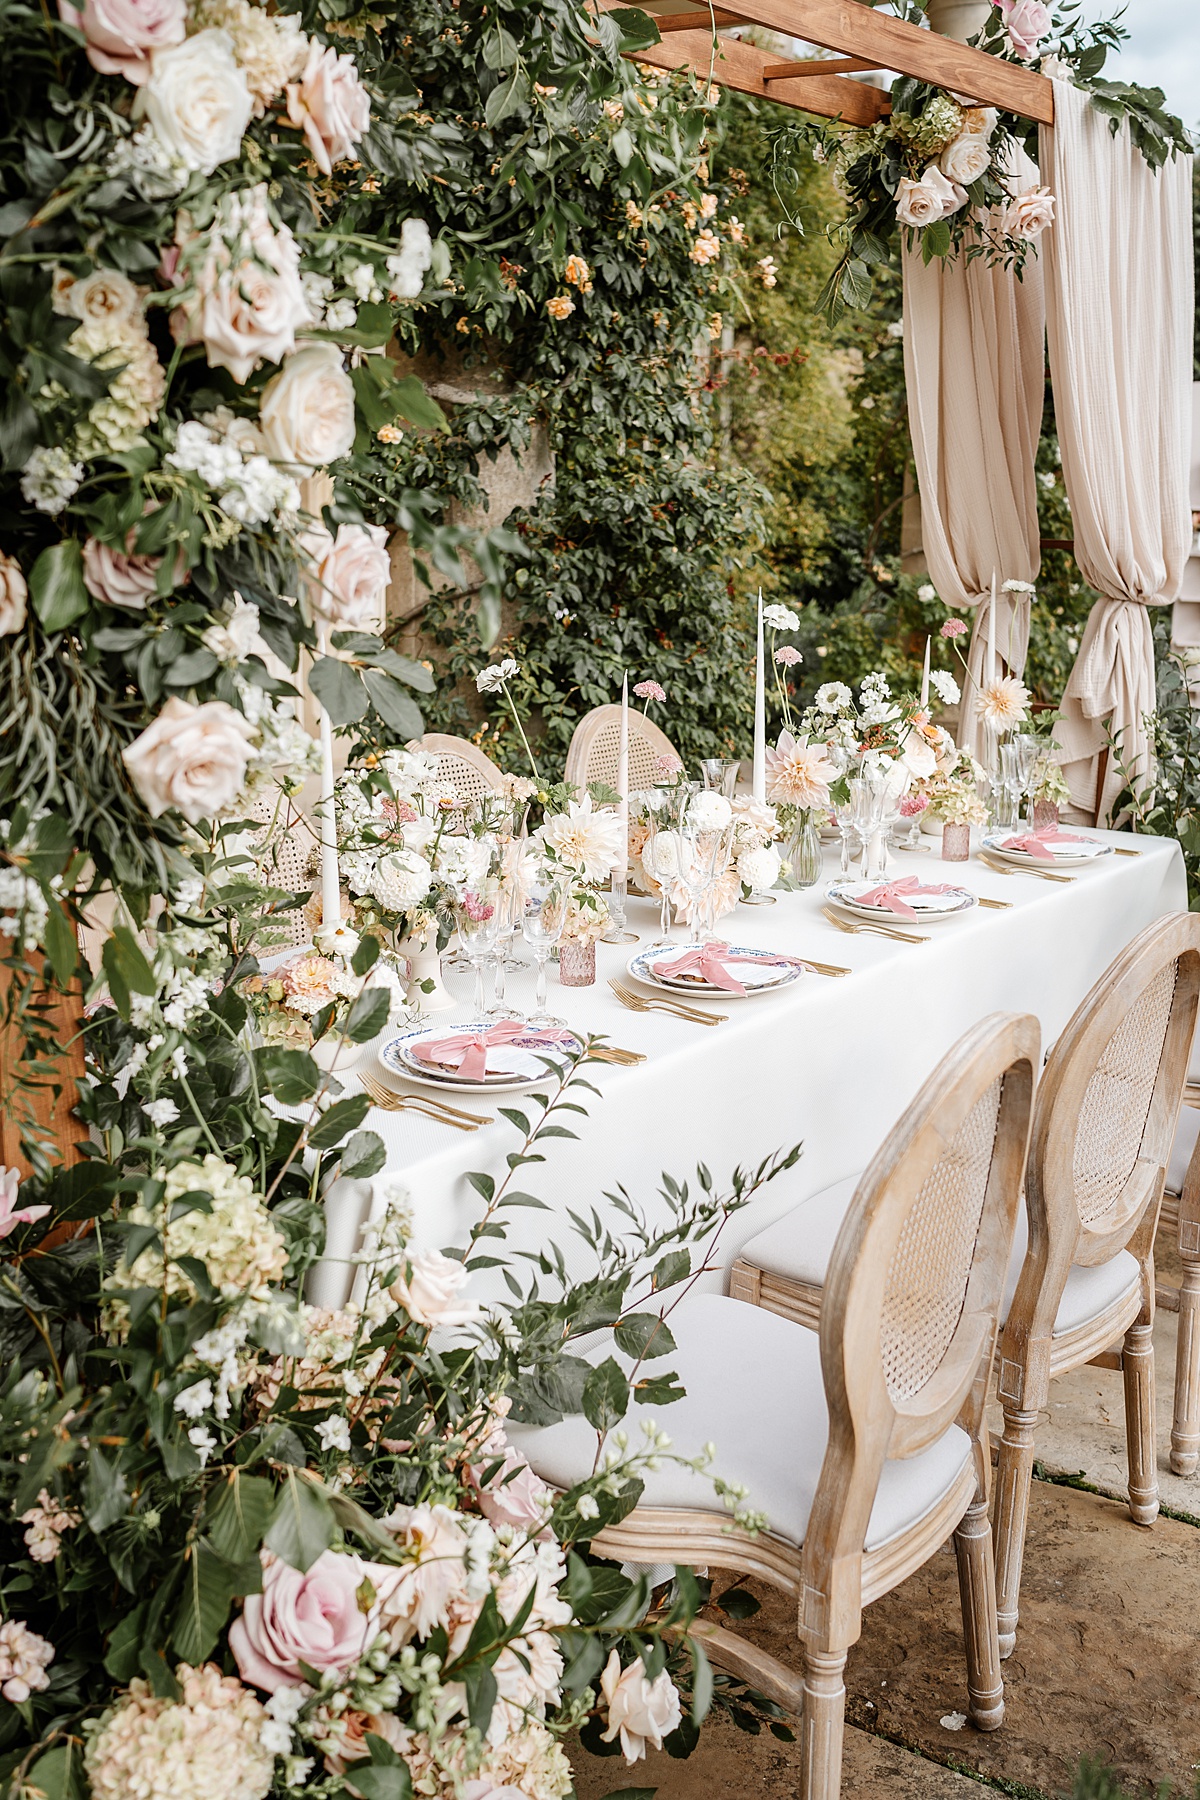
x: 478, y: 915
x: 544, y: 897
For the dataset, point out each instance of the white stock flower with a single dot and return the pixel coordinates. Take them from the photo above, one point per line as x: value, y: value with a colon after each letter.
x: 154, y: 170
x: 640, y: 1711
x: 161, y: 1112
x: 307, y: 412
x: 334, y: 1433
x: 197, y: 100
x: 407, y: 268
x: 231, y: 641
x: 192, y: 758
x: 50, y: 478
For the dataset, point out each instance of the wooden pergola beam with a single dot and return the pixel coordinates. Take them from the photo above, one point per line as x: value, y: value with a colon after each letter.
x: 857, y: 30
x: 740, y: 66
x: 816, y: 65
x: 696, y: 21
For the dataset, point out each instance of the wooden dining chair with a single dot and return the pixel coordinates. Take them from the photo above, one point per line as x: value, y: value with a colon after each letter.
x: 1180, y: 1219
x: 1105, y: 1118
x: 286, y: 845
x: 463, y: 764
x: 866, y: 1448
x: 596, y: 743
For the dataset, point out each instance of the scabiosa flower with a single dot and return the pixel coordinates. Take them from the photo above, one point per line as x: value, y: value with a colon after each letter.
x: 832, y: 696
x: 650, y: 690
x: 787, y: 656
x: 955, y: 628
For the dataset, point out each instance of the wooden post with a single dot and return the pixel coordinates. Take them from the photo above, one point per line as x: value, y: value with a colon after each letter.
x: 61, y: 1015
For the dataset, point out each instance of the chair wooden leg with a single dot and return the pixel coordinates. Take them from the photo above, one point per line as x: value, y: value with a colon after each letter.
x: 823, y: 1724
x: 1185, y: 1423
x: 977, y: 1592
x: 1137, y: 1362
x: 1013, y: 1475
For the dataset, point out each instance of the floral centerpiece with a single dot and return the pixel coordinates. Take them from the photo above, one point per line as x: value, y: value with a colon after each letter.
x: 585, y: 842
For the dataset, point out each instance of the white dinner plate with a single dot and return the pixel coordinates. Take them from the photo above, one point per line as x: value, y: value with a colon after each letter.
x: 764, y: 973
x: 1065, y: 856
x: 518, y: 1064
x: 930, y: 909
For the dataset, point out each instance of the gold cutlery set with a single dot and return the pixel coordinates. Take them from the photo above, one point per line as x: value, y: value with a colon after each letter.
x: 1002, y: 868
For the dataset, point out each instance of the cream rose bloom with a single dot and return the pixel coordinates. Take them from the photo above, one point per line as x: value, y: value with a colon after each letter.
x: 121, y: 33
x: 13, y: 595
x: 347, y: 576
x: 105, y: 298
x: 965, y: 159
x: 307, y: 412
x: 429, y: 1289
x: 119, y: 577
x: 643, y: 1712
x: 197, y: 100
x: 330, y: 105
x: 192, y: 758
x: 924, y: 202
x: 1029, y: 214
x: 244, y: 312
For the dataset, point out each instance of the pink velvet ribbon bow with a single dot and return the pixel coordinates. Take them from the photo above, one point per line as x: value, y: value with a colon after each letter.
x: 890, y: 897
x: 709, y: 962
x: 474, y: 1046
x: 1034, y: 842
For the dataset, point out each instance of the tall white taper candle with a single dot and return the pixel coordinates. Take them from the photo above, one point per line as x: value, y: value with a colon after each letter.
x: 621, y: 867
x: 759, y: 782
x: 925, y: 678
x: 331, y: 896
x: 990, y: 666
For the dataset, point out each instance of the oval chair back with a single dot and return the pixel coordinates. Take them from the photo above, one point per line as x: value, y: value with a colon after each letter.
x: 463, y: 764
x: 596, y: 745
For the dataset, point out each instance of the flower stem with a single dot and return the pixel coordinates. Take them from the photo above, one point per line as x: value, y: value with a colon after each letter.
x: 512, y: 707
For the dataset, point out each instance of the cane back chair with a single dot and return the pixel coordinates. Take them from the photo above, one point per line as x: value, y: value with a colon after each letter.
x: 1105, y: 1118
x: 1180, y: 1221
x: 865, y: 1448
x: 285, y: 848
x: 596, y: 744
x: 463, y: 764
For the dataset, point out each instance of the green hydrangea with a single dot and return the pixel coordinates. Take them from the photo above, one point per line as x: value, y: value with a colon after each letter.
x: 931, y: 130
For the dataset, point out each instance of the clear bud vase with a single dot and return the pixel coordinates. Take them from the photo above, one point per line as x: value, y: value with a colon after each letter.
x: 577, y: 963
x: 956, y: 841
x: 803, y: 852
x: 1045, y: 814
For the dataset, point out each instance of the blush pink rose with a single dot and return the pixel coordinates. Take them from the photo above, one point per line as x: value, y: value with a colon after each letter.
x: 347, y: 577
x: 330, y: 105
x: 121, y: 33
x: 1029, y: 214
x: 247, y: 312
x: 516, y: 1496
x: 118, y: 577
x: 1027, y: 22
x: 311, y: 1618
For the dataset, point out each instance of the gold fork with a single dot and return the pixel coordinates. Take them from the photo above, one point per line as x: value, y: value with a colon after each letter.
x: 389, y: 1101
x: 1002, y: 868
x: 675, y: 1009
x: 612, y: 1053
x: 888, y: 931
x: 1003, y: 905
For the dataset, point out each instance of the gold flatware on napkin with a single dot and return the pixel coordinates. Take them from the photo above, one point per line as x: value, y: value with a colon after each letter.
x: 888, y: 931
x: 1003, y: 868
x: 676, y: 1008
x: 389, y: 1101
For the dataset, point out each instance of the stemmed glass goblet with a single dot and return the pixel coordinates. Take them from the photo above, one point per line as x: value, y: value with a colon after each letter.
x: 544, y: 899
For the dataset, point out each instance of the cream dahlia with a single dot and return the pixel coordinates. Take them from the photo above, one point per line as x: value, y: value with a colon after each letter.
x: 798, y: 772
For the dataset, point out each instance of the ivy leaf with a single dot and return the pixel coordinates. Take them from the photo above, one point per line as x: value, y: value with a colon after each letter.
x: 339, y: 689
x: 56, y: 584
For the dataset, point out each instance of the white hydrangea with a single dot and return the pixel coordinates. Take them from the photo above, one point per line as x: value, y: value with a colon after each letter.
x: 50, y: 478
x: 207, y: 1745
x: 252, y: 490
x: 236, y: 1241
x: 407, y: 269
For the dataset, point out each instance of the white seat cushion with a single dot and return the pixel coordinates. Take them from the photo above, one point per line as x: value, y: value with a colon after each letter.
x: 800, y: 1244
x: 1186, y: 1133
x: 1089, y: 1291
x: 755, y: 1390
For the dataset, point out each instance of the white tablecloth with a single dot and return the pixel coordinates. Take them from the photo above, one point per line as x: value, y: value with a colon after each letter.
x: 829, y: 1062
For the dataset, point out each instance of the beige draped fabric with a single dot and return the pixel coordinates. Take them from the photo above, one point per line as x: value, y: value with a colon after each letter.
x: 1119, y: 312
x: 974, y: 364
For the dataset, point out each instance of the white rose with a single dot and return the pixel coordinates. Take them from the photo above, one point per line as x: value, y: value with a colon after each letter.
x: 247, y: 312
x: 1029, y: 214
x: 307, y: 413
x: 119, y: 577
x: 13, y: 595
x: 965, y: 158
x: 347, y: 575
x: 759, y: 869
x: 197, y: 100
x: 918, y: 755
x: 429, y: 1290
x: 192, y: 758
x: 924, y: 202
x: 709, y: 811
x: 401, y: 880
x: 643, y: 1712
x: 105, y: 297
x: 330, y: 105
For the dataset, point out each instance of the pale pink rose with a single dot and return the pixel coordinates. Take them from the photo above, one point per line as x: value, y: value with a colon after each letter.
x: 1029, y: 214
x: 965, y: 159
x: 11, y: 1215
x: 924, y: 202
x: 307, y: 411
x: 347, y: 575
x: 121, y: 33
x: 429, y: 1289
x: 312, y: 1618
x: 1027, y: 22
x: 643, y: 1712
x: 515, y: 1495
x: 330, y: 105
x: 119, y: 577
x: 192, y: 758
x: 419, y: 1595
x: 248, y: 312
x: 14, y: 593
x: 343, y: 1736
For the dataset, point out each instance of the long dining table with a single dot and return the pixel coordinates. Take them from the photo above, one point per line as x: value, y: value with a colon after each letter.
x: 829, y: 1062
